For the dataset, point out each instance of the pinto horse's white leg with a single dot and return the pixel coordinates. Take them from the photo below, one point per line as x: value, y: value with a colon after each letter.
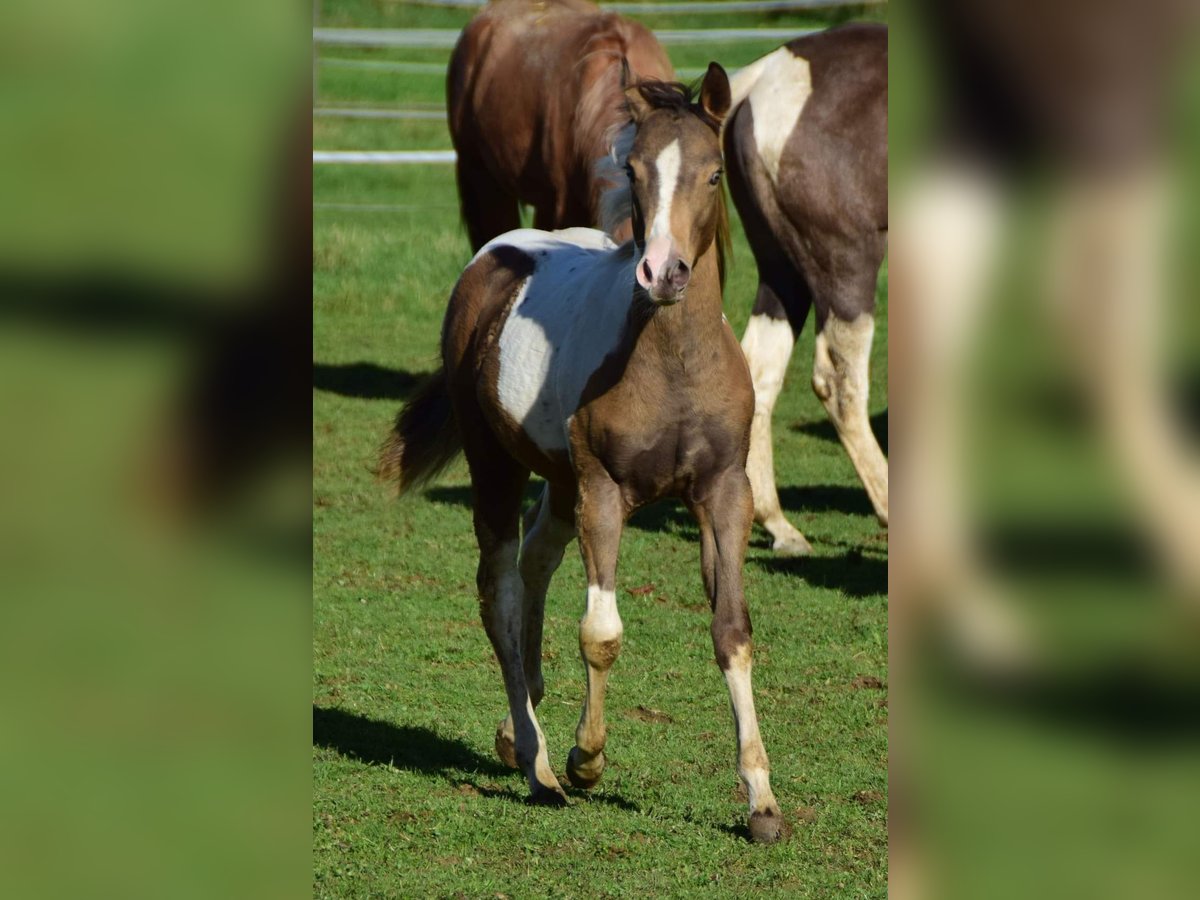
x: 841, y: 380
x: 600, y: 519
x: 549, y: 527
x: 725, y: 513
x: 768, y: 344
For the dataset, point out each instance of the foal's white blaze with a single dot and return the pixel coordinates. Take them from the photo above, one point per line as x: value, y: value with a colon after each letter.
x: 666, y: 168
x: 658, y: 239
x: 777, y: 97
x: 568, y: 315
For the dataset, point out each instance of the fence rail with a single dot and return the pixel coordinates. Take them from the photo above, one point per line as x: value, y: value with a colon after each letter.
x: 331, y: 112
x: 713, y: 6
x: 382, y: 157
x: 445, y: 38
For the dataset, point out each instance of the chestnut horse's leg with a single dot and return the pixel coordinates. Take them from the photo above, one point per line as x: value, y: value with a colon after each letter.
x: 780, y: 308
x: 498, y: 483
x: 842, y: 381
x: 724, y: 510
x: 600, y: 518
x: 549, y: 527
x: 488, y: 210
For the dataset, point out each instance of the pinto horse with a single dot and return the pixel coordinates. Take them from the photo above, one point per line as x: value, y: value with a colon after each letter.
x: 533, y: 94
x: 611, y: 372
x: 806, y: 147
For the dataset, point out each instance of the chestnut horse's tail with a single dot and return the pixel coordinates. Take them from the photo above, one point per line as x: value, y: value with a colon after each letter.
x: 425, y: 438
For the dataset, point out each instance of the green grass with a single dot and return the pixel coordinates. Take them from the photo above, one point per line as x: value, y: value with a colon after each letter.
x: 409, y: 799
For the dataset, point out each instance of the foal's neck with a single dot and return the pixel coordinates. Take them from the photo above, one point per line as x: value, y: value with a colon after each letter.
x: 688, y: 333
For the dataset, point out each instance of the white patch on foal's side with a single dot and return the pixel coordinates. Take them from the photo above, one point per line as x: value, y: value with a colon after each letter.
x: 567, y: 317
x: 777, y: 98
x: 666, y: 168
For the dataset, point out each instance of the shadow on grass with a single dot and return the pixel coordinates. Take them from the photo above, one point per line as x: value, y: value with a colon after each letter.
x: 1126, y: 697
x: 403, y: 746
x: 669, y: 516
x: 421, y: 750
x: 461, y: 496
x: 852, y: 573
x: 852, y: 500
x: 672, y: 517
x: 740, y: 831
x: 365, y: 380
x: 823, y: 428
x: 1058, y: 548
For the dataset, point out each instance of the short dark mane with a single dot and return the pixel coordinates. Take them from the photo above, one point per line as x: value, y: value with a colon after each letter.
x: 677, y: 96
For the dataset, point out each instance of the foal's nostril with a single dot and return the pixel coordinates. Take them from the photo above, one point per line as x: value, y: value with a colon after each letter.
x: 647, y: 272
x: 680, y: 275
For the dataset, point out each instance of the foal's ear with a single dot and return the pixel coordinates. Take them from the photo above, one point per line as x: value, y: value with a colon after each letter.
x: 715, y: 96
x: 634, y: 101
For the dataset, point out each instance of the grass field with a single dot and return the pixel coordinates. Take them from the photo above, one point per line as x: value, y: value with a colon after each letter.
x: 409, y: 799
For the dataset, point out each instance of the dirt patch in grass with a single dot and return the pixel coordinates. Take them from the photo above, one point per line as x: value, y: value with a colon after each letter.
x: 646, y: 714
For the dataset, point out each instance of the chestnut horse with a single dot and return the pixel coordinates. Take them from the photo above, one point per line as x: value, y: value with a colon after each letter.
x: 806, y: 147
x: 533, y: 93
x: 611, y: 372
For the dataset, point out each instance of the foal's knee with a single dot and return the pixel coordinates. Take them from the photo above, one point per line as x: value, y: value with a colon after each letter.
x: 600, y: 630
x: 731, y: 637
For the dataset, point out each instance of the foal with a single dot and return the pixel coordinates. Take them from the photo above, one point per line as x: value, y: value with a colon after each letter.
x: 611, y: 372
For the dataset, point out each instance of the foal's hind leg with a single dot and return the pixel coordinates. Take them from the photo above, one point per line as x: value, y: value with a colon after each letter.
x: 780, y: 308
x: 549, y: 527
x: 498, y: 483
x: 601, y: 516
x: 842, y: 381
x: 724, y: 511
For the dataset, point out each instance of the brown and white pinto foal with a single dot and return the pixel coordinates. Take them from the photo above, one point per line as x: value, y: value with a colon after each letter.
x: 806, y: 147
x: 611, y: 372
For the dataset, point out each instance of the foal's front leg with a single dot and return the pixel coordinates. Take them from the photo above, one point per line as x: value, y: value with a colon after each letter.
x: 600, y: 518
x: 725, y: 513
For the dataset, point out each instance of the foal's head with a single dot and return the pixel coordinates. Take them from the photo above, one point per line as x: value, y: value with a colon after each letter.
x: 674, y: 170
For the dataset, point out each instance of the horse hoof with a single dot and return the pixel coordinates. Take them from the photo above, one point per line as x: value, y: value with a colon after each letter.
x: 584, y: 775
x: 505, y: 748
x: 792, y: 544
x: 768, y: 827
x: 541, y: 795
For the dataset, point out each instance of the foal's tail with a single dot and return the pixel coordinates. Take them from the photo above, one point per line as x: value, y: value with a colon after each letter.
x: 425, y: 438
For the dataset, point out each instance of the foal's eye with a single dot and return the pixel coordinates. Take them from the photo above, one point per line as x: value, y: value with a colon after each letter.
x: 629, y: 172
x: 716, y: 177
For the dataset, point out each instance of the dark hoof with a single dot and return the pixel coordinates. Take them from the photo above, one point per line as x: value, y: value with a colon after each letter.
x: 585, y: 776
x: 545, y: 796
x: 505, y: 748
x: 768, y: 827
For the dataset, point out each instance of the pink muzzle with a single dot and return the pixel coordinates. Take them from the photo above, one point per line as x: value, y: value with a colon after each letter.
x: 662, y: 271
